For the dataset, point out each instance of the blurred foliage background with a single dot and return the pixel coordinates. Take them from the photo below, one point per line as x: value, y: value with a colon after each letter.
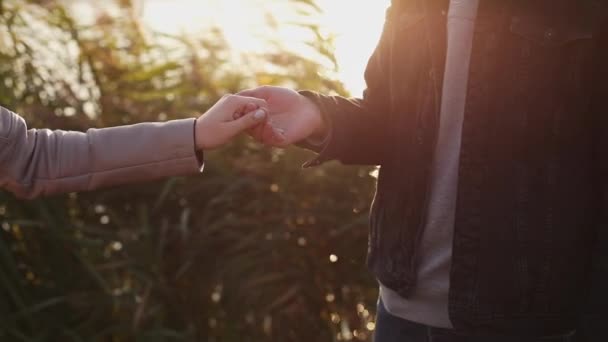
x: 254, y: 249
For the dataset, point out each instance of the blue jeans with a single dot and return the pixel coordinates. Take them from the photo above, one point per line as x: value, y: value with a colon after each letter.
x: 394, y: 329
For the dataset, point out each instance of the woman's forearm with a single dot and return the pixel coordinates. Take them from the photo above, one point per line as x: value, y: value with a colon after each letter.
x: 43, y: 162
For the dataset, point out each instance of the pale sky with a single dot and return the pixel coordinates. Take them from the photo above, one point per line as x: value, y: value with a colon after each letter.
x: 357, y: 24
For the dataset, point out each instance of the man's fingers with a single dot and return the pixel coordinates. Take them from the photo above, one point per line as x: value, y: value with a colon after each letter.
x: 262, y: 92
x: 272, y: 136
x: 266, y: 134
x: 257, y: 132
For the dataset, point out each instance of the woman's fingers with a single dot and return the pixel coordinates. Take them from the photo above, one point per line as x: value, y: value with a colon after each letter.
x: 256, y: 131
x: 218, y: 125
x: 247, y: 121
x: 244, y: 119
x: 271, y: 135
x: 250, y: 107
x: 236, y: 103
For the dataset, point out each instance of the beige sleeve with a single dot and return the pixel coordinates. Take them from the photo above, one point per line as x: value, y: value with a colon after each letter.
x: 43, y: 162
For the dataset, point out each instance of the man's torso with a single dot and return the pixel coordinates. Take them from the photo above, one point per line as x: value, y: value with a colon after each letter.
x: 526, y: 206
x: 428, y: 303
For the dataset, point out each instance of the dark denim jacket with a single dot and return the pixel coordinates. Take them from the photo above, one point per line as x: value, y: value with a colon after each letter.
x: 532, y: 171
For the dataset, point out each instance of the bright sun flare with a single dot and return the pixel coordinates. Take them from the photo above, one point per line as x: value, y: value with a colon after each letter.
x: 356, y: 24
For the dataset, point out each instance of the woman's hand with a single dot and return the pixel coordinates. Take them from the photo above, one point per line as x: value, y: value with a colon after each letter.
x: 218, y: 125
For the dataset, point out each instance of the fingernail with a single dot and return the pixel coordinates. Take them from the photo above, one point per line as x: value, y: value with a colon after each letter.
x: 279, y: 134
x: 259, y: 115
x: 280, y: 137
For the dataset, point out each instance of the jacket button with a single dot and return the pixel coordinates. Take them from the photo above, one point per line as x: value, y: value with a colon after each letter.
x: 549, y: 34
x: 525, y: 50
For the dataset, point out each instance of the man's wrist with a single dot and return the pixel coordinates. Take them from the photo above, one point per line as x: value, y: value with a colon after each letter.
x: 321, y: 129
x: 320, y: 134
x: 319, y: 137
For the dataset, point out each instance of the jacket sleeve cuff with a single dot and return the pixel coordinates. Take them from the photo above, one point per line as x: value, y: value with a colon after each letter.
x: 324, y: 145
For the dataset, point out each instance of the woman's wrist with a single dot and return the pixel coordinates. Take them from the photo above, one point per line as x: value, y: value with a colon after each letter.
x: 198, y: 151
x: 198, y: 136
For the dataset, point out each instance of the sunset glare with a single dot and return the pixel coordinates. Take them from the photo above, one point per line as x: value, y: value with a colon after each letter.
x: 355, y: 24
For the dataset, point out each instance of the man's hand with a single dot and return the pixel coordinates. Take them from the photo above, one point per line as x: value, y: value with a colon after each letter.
x: 219, y: 125
x: 292, y: 117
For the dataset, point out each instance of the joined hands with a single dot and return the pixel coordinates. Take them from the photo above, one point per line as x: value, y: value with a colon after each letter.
x: 274, y: 116
x: 292, y: 117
